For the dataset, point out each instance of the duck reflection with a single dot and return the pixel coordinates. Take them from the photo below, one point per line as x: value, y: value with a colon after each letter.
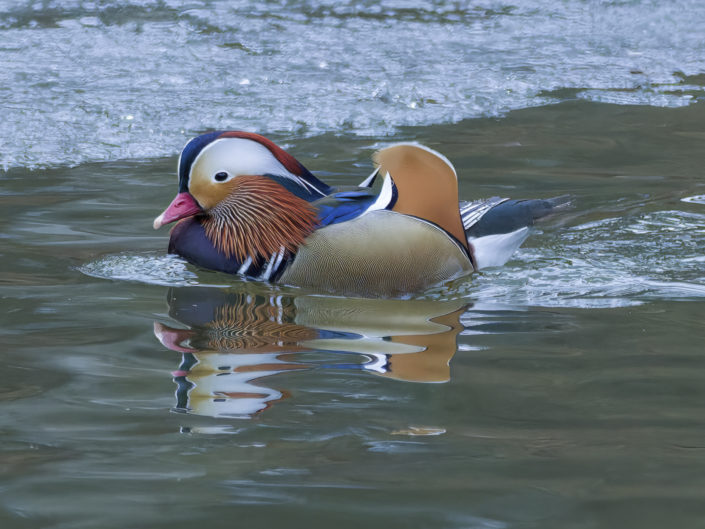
x: 234, y: 341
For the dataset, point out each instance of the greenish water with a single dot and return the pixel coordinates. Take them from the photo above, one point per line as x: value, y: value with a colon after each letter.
x: 565, y: 389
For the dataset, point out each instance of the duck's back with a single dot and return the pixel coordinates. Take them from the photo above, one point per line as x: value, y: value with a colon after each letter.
x: 380, y: 253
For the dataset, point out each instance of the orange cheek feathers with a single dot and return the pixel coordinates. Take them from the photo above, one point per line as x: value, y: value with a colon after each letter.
x: 208, y: 193
x: 258, y: 218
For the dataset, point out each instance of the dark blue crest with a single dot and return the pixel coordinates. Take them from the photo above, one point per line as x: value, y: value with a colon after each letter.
x: 189, y: 154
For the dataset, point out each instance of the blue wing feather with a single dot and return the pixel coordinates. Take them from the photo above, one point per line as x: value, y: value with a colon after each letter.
x: 362, y: 193
x: 342, y: 206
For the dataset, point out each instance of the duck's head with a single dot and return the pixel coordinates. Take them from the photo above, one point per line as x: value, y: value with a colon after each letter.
x: 244, y: 183
x: 212, y: 166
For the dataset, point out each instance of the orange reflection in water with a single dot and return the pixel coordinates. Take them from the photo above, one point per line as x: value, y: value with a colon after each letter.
x: 233, y: 343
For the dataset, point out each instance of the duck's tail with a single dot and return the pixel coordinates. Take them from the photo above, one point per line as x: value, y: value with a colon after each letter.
x: 496, y: 227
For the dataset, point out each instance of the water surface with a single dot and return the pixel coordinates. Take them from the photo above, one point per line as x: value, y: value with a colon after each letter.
x: 564, y: 389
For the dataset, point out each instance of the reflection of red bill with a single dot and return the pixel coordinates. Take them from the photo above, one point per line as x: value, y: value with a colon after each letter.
x: 173, y: 338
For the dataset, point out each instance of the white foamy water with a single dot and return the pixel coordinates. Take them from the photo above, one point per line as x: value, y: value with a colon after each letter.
x: 697, y: 199
x: 93, y: 81
x: 165, y: 270
x: 614, y: 262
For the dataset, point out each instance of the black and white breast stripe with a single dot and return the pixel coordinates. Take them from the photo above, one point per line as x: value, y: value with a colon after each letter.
x: 267, y: 270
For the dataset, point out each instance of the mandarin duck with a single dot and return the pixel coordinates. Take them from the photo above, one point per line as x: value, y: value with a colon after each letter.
x: 245, y: 206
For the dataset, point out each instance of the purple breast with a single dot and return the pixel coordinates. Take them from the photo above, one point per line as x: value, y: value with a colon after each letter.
x: 188, y: 239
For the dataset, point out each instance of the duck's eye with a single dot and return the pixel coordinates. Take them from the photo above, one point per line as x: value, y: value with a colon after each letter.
x: 222, y: 176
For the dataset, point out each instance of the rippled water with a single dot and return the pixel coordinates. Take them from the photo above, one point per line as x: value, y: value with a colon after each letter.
x: 89, y: 81
x: 564, y: 389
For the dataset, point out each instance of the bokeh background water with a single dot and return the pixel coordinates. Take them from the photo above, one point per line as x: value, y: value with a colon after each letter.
x: 564, y: 389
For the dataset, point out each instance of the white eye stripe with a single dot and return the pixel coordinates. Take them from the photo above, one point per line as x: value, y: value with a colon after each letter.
x: 241, y: 157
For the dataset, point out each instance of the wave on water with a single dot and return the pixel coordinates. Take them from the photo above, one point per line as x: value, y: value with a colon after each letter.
x: 697, y: 199
x: 164, y: 270
x: 96, y: 81
x: 613, y: 262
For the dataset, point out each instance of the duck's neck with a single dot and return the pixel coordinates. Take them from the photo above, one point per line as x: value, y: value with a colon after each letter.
x: 258, y: 219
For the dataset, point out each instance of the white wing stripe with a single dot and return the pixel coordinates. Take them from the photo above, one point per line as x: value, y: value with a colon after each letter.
x: 385, y: 195
x: 367, y: 182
